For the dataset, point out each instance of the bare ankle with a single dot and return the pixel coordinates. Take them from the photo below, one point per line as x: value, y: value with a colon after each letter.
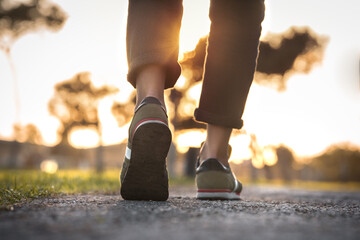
x: 207, y: 152
x: 216, y: 144
x: 150, y: 83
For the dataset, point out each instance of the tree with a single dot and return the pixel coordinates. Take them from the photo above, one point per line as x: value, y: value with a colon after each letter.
x: 339, y: 162
x: 17, y: 19
x: 75, y: 104
x: 123, y: 112
x: 28, y: 133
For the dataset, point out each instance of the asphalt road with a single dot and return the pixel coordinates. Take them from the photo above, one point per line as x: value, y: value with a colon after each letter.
x: 263, y: 213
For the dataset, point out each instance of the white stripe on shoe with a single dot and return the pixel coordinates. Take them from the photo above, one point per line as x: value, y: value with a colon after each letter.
x: 150, y: 121
x: 236, y: 184
x: 128, y: 152
x: 146, y: 121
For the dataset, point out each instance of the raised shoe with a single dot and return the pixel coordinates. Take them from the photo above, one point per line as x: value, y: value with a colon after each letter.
x: 144, y: 175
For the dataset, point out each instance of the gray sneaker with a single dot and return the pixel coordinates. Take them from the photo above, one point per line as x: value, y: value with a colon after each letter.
x: 144, y: 175
x: 215, y: 181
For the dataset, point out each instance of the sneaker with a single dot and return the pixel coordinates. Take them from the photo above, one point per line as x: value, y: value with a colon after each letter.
x: 144, y: 175
x: 215, y: 181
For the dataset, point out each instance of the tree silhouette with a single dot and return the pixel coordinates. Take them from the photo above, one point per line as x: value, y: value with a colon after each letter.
x: 282, y: 55
x: 28, y: 133
x: 285, y: 162
x: 123, y: 112
x: 75, y: 104
x: 339, y: 162
x: 17, y: 19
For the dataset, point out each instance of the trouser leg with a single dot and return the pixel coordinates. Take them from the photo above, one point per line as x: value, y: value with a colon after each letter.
x: 231, y: 60
x: 152, y: 37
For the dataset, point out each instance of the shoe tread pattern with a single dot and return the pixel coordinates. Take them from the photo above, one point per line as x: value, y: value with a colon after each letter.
x: 146, y: 177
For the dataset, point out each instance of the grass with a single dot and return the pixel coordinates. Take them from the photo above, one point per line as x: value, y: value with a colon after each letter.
x: 24, y: 185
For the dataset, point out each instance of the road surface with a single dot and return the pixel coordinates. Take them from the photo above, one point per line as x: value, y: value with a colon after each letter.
x: 263, y: 213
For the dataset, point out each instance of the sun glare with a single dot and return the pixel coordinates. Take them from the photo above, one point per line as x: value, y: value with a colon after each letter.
x: 49, y: 166
x: 189, y: 138
x: 84, y: 138
x: 257, y: 162
x: 270, y: 157
x: 195, y: 24
x: 240, y: 148
x: 239, y: 143
x: 50, y: 138
x: 194, y: 92
x: 180, y: 83
x: 111, y: 132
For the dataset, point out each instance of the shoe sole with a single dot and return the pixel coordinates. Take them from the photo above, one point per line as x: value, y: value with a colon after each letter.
x: 218, y: 196
x: 146, y: 177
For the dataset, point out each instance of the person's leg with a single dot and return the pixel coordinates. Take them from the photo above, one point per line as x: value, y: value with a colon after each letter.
x: 152, y: 51
x: 152, y: 39
x: 229, y: 69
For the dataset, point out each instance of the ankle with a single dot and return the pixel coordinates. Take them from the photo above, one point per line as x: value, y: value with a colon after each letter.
x: 150, y: 82
x: 216, y: 144
x: 220, y: 153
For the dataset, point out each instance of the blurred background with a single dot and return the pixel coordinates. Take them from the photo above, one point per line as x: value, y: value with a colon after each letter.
x: 65, y: 102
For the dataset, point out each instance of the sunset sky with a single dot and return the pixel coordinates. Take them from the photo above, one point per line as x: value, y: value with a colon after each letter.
x: 316, y: 109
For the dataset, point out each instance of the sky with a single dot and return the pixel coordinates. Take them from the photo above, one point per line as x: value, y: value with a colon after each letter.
x: 316, y: 109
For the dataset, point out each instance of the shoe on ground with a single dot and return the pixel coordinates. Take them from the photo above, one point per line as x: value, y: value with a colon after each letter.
x: 144, y: 175
x: 215, y: 181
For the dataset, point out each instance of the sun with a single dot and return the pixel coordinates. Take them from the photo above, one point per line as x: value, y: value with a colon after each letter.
x: 84, y: 138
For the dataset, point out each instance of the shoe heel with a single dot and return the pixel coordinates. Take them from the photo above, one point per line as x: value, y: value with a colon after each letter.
x: 146, y: 177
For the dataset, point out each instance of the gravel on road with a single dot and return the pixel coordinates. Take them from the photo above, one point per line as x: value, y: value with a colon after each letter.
x: 263, y: 213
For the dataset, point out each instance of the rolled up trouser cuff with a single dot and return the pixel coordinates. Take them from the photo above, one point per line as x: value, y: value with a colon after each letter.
x: 216, y: 119
x: 158, y: 57
x: 152, y: 37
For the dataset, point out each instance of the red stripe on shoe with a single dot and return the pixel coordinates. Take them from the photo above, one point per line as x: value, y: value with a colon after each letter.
x: 145, y: 121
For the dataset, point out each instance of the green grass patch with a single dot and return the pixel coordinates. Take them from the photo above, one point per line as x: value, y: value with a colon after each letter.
x: 24, y: 185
